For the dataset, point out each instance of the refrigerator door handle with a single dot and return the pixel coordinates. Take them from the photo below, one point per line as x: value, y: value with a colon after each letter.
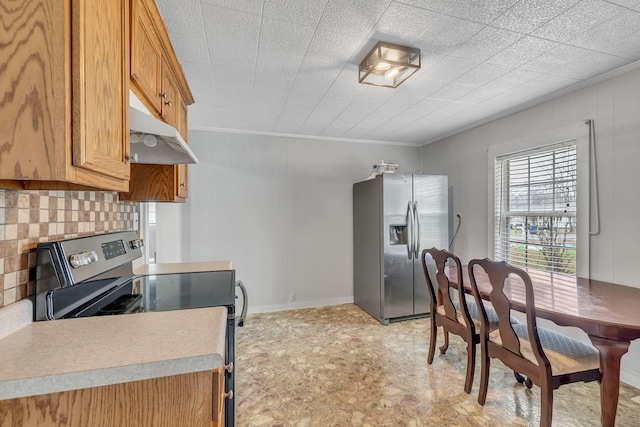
x: 416, y: 224
x: 409, y: 231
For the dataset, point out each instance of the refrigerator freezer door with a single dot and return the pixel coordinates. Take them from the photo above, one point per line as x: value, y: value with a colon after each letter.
x: 431, y: 199
x: 367, y: 246
x: 398, y: 272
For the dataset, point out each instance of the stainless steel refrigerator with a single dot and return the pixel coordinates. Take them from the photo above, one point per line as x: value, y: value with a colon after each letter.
x: 396, y: 216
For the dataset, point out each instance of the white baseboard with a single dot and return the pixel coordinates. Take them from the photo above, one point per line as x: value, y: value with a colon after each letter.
x: 629, y: 377
x: 299, y: 305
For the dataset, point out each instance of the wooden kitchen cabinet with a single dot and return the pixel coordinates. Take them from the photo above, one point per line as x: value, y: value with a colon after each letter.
x: 64, y: 121
x: 179, y: 400
x: 158, y: 81
x: 158, y: 183
x: 156, y: 75
x: 218, y: 398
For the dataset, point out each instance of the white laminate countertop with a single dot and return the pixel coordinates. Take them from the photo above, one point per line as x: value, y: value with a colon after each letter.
x: 69, y: 354
x: 181, y: 267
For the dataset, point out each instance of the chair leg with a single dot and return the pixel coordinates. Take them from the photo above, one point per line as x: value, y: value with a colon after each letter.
x: 432, y: 341
x: 546, y: 405
x: 485, y: 364
x: 471, y: 365
x: 519, y: 377
x: 445, y: 346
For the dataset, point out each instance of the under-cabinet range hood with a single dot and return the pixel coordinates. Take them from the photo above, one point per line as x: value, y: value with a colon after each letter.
x: 153, y: 141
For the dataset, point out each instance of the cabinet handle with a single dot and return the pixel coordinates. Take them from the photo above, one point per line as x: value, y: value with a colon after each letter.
x: 228, y: 395
x: 133, y: 158
x: 169, y: 104
x: 163, y: 95
x: 229, y: 367
x: 183, y: 185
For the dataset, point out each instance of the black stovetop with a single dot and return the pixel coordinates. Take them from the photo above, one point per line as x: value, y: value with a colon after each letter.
x: 164, y: 292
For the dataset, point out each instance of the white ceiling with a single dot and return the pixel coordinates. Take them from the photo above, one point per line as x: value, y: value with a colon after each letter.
x: 291, y: 66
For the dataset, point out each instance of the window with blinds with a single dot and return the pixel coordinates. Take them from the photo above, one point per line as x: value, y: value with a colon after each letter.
x: 535, y: 209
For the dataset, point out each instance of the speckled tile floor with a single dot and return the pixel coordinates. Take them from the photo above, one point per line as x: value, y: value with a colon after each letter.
x: 337, y: 366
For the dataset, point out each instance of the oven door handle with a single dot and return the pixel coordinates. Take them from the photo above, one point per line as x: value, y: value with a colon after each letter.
x: 245, y: 303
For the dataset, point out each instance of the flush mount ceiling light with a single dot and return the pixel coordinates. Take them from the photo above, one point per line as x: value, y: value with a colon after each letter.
x: 388, y: 65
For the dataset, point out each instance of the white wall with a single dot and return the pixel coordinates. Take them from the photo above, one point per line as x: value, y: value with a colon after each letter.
x: 169, y: 232
x: 281, y: 210
x: 615, y: 107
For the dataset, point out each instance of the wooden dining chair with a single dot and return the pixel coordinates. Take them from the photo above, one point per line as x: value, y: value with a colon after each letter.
x: 549, y: 359
x: 457, y: 314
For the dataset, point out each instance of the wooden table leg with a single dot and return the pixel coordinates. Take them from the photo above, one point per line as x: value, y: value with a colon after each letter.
x: 610, y: 353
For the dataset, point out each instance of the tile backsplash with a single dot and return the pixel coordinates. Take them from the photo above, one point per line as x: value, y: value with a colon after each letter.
x: 30, y: 217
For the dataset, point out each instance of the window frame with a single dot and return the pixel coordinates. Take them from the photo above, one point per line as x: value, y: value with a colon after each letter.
x: 540, y: 168
x: 578, y: 133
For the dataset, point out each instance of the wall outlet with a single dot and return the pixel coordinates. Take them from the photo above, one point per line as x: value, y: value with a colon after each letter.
x: 292, y: 296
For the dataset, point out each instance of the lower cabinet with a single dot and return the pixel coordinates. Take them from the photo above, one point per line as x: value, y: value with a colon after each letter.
x: 180, y: 400
x: 157, y: 183
x: 218, y: 398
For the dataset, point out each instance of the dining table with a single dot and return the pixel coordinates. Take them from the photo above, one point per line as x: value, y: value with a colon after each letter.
x: 609, y: 313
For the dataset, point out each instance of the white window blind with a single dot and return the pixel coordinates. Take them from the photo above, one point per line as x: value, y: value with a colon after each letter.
x: 535, y: 209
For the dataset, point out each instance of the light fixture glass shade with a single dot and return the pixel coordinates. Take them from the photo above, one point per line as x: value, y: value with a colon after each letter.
x: 389, y: 65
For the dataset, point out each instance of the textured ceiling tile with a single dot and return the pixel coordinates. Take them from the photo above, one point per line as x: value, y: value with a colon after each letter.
x: 443, y: 34
x: 184, y: 17
x: 304, y: 97
x: 608, y: 37
x: 527, y: 15
x: 204, y: 114
x: 205, y: 107
x: 278, y: 63
x: 403, y: 24
x: 307, y: 12
x: 353, y: 17
x: 284, y: 37
x: 240, y: 56
x: 631, y: 4
x: 483, y: 11
x: 522, y: 51
x: 451, y: 109
x: 264, y: 65
x: 251, y: 6
x: 231, y: 32
x: 429, y: 105
x: 584, y: 65
x: 330, y: 46
x: 403, y: 100
x: 422, y: 86
x: 482, y: 94
x: 452, y: 91
x: 483, y: 74
x: 316, y: 75
x: 549, y: 61
x: 197, y: 70
x: 486, y: 43
x: 545, y: 84
x: 316, y: 123
x: 190, y: 49
x: 578, y: 19
x: 450, y: 68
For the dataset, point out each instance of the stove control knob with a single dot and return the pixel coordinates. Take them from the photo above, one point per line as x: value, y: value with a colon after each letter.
x: 83, y: 258
x: 136, y: 243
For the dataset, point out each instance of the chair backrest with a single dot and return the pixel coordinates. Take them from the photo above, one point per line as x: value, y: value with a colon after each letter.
x: 498, y: 273
x: 434, y: 264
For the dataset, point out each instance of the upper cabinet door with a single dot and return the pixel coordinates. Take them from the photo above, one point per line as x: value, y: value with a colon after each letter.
x: 100, y: 78
x: 171, y: 101
x: 146, y: 56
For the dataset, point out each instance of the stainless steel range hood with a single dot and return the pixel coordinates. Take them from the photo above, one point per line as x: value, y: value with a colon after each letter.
x: 153, y: 141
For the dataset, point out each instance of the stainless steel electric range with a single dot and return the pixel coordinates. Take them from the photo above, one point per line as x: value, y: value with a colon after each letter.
x: 93, y: 276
